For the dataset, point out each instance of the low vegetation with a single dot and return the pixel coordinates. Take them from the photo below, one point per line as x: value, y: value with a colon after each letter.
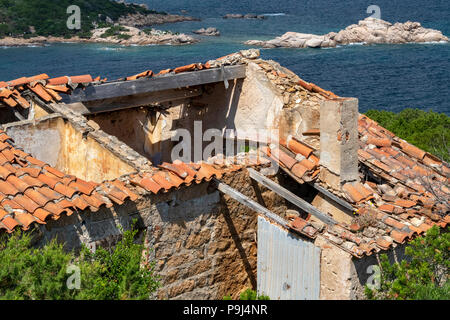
x: 248, y: 294
x: 51, y: 273
x: 25, y: 18
x: 430, y: 131
x: 422, y: 276
x: 116, y: 31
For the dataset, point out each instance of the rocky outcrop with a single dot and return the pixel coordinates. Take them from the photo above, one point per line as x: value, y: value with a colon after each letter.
x: 131, y: 36
x: 243, y: 16
x: 208, y: 32
x: 139, y: 20
x: 135, y: 36
x: 367, y: 31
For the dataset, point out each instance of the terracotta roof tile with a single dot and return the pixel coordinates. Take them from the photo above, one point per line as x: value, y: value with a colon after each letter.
x: 394, y: 223
x: 174, y: 179
x: 380, y: 142
x: 299, y: 170
x: 302, y: 226
x: 383, y: 243
x: 161, y: 179
x: 299, y: 148
x: 308, y: 164
x: 387, y: 208
x: 398, y: 236
x: 81, y: 186
x: 408, y: 162
x: 283, y: 157
x: 86, y: 78
x: 26, y: 203
x: 35, y: 161
x: 25, y: 220
x: 10, y: 223
x: 207, y: 171
x: 352, y: 192
x: 405, y: 203
x: 147, y: 183
x: 366, y: 193
x: 80, y: 203
x: 190, y: 67
x: 41, y: 92
x: 37, y: 197
x: 118, y: 184
x: 177, y: 169
x: 58, y: 81
x: 8, y: 189
x: 145, y: 74
x: 412, y: 150
x: 182, y: 166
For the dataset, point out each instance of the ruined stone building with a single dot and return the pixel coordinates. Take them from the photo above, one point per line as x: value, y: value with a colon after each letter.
x: 302, y: 216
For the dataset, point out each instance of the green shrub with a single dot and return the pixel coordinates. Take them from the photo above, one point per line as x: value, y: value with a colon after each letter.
x: 115, y: 31
x: 429, y: 131
x: 49, y: 17
x: 28, y: 273
x: 422, y: 276
x: 248, y: 294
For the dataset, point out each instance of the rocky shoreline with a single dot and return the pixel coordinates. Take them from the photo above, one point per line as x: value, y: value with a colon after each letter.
x: 130, y: 36
x: 211, y: 32
x: 367, y: 31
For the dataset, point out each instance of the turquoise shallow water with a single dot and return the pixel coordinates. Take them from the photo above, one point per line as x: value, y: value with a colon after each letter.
x: 390, y: 77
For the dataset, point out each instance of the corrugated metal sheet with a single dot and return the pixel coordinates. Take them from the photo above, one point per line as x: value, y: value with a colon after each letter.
x: 288, y: 266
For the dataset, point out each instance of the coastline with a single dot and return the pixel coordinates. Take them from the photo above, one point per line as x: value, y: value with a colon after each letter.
x: 133, y: 36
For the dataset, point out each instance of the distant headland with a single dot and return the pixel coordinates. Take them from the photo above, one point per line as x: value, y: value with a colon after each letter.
x: 107, y: 21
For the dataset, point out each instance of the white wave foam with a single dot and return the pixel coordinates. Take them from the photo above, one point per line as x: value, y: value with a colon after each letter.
x: 433, y: 42
x: 274, y: 14
x: 110, y: 49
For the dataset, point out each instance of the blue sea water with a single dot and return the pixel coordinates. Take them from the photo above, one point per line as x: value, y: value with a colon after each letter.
x: 389, y: 77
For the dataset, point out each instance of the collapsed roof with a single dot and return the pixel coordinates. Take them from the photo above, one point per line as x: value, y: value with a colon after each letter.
x: 398, y: 197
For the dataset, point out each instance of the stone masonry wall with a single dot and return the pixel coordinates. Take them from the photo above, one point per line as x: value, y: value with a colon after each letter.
x: 343, y: 277
x: 204, y: 243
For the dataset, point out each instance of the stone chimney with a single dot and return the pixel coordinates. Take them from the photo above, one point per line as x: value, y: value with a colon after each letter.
x: 339, y: 141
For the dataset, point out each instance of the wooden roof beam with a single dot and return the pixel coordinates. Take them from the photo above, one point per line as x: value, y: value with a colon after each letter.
x: 133, y: 101
x: 289, y: 196
x: 146, y: 85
